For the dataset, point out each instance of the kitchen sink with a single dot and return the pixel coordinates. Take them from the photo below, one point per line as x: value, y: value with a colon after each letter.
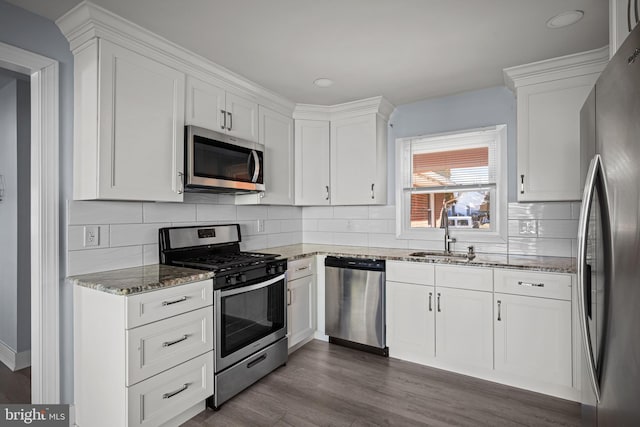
x: 439, y: 254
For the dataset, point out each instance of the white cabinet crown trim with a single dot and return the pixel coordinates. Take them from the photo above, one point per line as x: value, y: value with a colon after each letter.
x: 87, y: 21
x: 577, y: 64
x: 377, y: 104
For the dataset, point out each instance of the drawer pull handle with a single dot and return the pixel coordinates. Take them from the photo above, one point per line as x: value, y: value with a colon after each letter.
x: 165, y: 303
x: 531, y: 285
x: 255, y: 362
x: 178, y: 391
x: 170, y: 343
x: 302, y: 268
x: 430, y: 296
x: 288, y: 296
x: 499, y: 311
x: 439, y: 303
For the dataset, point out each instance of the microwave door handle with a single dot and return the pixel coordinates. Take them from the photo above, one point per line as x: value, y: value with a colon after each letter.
x: 256, y: 170
x: 583, y: 226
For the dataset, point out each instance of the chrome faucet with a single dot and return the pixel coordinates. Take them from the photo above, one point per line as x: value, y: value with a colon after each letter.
x: 444, y: 219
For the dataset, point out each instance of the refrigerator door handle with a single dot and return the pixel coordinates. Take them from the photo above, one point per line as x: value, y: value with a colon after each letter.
x: 583, y: 224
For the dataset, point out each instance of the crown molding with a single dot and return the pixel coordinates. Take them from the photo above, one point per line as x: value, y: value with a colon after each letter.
x: 88, y: 21
x: 577, y: 64
x: 375, y: 105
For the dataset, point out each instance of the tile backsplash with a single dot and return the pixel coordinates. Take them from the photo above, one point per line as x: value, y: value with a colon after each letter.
x: 128, y: 231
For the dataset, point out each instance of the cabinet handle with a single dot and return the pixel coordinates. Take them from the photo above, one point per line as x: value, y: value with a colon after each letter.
x: 181, y: 189
x: 439, y: 303
x: 288, y: 296
x: 165, y: 303
x: 327, y: 187
x: 224, y: 119
x: 531, y: 285
x: 230, y: 121
x: 178, y: 391
x: 373, y: 195
x: 302, y: 268
x: 170, y: 343
x: 521, y: 184
x: 499, y: 310
x: 430, y: 296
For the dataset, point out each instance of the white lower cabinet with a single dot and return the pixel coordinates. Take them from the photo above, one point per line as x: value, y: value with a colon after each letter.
x: 533, y: 338
x: 450, y: 317
x: 301, y: 316
x: 144, y: 359
x: 464, y: 329
x: 411, y: 321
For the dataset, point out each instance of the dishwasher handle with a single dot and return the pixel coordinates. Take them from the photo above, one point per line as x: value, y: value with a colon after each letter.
x: 355, y: 263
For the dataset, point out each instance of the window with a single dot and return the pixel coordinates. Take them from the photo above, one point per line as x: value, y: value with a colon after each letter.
x: 462, y: 173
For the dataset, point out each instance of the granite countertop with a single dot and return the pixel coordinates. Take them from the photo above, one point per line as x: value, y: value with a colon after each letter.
x: 136, y: 280
x: 533, y: 263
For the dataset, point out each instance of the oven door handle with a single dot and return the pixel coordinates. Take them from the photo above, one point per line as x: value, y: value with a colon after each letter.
x: 251, y: 288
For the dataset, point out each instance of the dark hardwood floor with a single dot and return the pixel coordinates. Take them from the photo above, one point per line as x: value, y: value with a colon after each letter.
x: 15, y: 387
x: 328, y: 385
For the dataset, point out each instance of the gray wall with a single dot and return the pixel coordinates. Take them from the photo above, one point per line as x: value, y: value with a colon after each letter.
x: 15, y: 286
x: 39, y: 35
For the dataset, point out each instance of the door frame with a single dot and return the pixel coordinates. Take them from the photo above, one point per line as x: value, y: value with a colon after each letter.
x: 45, y: 213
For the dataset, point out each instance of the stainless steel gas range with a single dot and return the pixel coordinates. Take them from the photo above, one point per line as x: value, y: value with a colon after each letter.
x: 249, y: 302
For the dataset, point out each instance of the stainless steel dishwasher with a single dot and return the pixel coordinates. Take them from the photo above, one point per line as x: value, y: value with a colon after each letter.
x: 355, y: 303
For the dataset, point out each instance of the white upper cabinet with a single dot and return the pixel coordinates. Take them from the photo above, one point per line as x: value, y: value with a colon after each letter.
x: 341, y: 153
x: 623, y: 17
x: 276, y: 134
x: 129, y: 126
x: 550, y: 95
x: 358, y: 161
x: 211, y: 107
x: 312, y: 162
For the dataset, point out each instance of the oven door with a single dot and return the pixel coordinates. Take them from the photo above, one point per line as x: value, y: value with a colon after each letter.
x: 248, y: 319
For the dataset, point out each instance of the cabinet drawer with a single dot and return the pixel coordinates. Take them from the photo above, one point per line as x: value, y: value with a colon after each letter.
x: 300, y: 268
x: 160, y: 398
x: 410, y: 272
x: 530, y: 283
x: 161, y: 345
x: 151, y: 306
x: 473, y: 278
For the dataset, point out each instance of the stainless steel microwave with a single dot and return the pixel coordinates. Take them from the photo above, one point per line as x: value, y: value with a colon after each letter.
x: 215, y: 162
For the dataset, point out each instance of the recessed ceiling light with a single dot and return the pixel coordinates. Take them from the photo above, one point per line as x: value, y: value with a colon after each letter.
x: 322, y: 82
x: 565, y: 19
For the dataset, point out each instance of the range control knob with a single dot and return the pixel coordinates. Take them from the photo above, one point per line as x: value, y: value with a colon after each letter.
x: 243, y: 278
x: 271, y: 269
x: 280, y: 268
x: 231, y: 280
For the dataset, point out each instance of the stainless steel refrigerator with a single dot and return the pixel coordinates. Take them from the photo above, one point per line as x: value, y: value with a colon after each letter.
x: 609, y: 243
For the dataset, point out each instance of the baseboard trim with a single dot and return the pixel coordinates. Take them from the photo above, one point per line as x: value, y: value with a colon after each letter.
x: 14, y: 361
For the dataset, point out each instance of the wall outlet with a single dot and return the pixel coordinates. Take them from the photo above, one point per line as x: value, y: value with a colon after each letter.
x: 528, y: 227
x: 91, y: 235
x: 260, y: 226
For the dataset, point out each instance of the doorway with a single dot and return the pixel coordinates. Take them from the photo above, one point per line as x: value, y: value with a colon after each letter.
x: 43, y: 218
x: 15, y: 238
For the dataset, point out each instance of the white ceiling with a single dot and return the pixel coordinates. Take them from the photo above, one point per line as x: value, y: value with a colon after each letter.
x: 405, y: 50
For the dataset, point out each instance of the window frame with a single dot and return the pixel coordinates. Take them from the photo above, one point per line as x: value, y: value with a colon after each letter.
x: 498, y: 233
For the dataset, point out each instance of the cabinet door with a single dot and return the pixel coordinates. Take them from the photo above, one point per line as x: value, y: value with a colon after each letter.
x: 411, y: 321
x: 312, y: 162
x: 549, y: 139
x: 533, y: 338
x: 242, y: 117
x: 141, y: 127
x: 276, y: 133
x: 300, y: 310
x: 464, y: 327
x: 205, y: 105
x: 354, y: 160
